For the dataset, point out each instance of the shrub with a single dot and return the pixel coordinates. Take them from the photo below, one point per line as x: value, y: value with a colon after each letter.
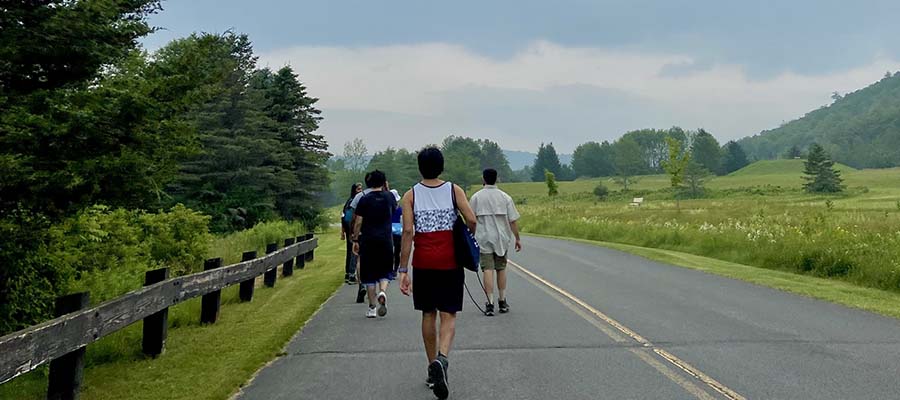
x: 601, y: 191
x: 108, y: 250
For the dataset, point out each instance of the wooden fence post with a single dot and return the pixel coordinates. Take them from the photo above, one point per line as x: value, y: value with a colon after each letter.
x: 67, y: 372
x: 156, y: 325
x: 271, y: 275
x: 246, y: 290
x: 301, y: 258
x: 209, y: 309
x: 288, y: 268
x: 310, y: 256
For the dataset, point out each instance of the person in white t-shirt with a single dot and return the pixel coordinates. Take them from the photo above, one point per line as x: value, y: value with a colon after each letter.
x: 497, y: 226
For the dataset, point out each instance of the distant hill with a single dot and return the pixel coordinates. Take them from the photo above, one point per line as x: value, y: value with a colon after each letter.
x: 861, y: 129
x: 520, y: 159
x: 777, y: 167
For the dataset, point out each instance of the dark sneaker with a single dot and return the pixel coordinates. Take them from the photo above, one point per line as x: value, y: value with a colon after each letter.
x: 361, y: 294
x: 489, y: 309
x: 382, y: 304
x: 437, y: 371
x: 504, y: 306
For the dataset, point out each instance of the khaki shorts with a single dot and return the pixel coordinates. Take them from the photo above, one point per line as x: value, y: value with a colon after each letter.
x: 491, y: 261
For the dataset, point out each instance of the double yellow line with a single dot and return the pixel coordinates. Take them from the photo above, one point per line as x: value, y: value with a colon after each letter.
x: 644, y: 352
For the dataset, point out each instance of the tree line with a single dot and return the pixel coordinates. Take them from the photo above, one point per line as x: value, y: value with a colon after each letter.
x: 640, y: 152
x: 464, y: 159
x: 91, y: 123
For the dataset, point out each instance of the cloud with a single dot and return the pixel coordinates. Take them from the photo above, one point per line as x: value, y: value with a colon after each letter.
x: 411, y: 95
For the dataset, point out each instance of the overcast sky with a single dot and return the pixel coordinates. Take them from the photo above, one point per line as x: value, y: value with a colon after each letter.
x: 407, y: 73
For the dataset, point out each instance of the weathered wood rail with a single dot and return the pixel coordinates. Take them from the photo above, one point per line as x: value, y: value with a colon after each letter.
x: 59, y: 340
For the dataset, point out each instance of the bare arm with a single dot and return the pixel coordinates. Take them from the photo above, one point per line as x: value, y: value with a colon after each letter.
x: 355, y: 235
x: 406, y: 241
x: 463, y: 203
x: 514, y: 225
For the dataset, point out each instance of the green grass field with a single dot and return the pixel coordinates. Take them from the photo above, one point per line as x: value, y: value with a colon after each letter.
x: 207, y: 362
x: 758, y: 217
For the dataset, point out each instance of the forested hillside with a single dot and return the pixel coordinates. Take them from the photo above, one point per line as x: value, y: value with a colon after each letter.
x: 860, y: 129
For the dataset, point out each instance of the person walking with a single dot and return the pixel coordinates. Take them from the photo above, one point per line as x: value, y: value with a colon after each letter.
x: 397, y: 231
x: 429, y: 211
x: 361, y: 290
x: 497, y: 227
x: 346, y: 231
x: 373, y: 242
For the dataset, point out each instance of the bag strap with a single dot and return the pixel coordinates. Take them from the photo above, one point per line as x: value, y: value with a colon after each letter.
x: 453, y: 196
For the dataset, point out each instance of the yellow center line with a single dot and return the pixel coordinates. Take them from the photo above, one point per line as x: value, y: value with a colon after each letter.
x: 643, y: 355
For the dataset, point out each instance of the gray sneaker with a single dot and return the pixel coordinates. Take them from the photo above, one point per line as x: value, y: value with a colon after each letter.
x: 437, y: 371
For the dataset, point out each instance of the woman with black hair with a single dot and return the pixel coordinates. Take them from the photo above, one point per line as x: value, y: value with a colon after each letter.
x: 346, y: 229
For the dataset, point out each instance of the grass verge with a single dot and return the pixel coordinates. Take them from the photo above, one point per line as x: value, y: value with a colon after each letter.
x: 873, y: 300
x: 204, y: 362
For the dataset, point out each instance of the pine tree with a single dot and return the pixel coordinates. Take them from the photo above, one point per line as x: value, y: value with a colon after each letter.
x: 706, y: 151
x: 547, y: 160
x: 733, y: 158
x: 819, y: 172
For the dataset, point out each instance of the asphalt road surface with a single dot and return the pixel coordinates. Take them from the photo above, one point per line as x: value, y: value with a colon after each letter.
x: 588, y: 322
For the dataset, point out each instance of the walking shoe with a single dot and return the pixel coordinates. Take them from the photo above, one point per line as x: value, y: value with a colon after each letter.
x: 437, y: 371
x: 371, y: 313
x: 382, y: 304
x: 504, y: 306
x: 361, y: 294
x: 489, y: 309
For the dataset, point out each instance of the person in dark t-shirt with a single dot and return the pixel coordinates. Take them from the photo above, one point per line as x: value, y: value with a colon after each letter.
x: 373, y: 241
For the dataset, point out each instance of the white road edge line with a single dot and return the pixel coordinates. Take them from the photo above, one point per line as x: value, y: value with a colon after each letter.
x: 671, y: 358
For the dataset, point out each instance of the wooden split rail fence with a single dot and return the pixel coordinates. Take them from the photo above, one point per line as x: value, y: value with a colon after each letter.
x: 62, y: 341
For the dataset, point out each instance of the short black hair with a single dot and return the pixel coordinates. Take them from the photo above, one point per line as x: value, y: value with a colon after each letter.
x: 490, y: 176
x: 431, y: 162
x: 375, y: 179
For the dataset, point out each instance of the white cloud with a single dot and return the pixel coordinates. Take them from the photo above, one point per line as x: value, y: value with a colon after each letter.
x: 415, y: 94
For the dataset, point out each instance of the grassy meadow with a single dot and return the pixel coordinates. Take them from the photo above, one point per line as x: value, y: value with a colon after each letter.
x: 758, y: 216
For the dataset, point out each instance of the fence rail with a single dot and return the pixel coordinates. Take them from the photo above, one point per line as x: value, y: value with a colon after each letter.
x: 25, y: 350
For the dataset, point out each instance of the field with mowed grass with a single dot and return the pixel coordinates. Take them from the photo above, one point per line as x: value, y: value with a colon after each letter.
x: 758, y: 216
x: 208, y: 362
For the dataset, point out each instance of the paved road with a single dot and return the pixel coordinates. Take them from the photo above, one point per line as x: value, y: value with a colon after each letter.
x: 594, y: 323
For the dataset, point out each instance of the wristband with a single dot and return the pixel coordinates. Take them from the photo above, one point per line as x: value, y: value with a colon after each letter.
x: 402, y: 270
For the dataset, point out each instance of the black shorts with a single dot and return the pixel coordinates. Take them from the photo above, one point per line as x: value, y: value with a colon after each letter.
x: 376, y: 260
x: 440, y: 290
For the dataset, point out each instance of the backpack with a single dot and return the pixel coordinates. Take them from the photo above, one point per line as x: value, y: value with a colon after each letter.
x: 465, y: 247
x: 348, y: 214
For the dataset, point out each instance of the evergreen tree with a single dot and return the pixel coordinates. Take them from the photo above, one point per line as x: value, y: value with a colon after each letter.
x: 593, y: 160
x: 492, y: 157
x: 547, y: 160
x: 819, y: 172
x: 248, y: 158
x: 733, y: 158
x: 706, y: 151
x: 287, y: 103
